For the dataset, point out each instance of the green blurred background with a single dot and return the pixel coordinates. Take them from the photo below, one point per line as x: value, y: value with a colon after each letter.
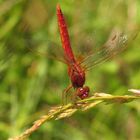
x: 30, y: 84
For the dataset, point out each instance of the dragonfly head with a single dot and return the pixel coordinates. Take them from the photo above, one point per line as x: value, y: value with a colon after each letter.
x: 83, y: 92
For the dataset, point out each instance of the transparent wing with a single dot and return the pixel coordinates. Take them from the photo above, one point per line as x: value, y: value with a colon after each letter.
x: 44, y: 47
x: 115, y: 44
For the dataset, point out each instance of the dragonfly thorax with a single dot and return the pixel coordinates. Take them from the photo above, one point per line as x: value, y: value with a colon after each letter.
x: 77, y: 77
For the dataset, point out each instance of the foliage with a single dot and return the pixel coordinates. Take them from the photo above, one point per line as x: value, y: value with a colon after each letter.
x: 30, y: 83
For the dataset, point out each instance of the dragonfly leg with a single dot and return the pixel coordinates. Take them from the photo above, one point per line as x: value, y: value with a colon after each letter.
x: 65, y: 94
x: 74, y: 98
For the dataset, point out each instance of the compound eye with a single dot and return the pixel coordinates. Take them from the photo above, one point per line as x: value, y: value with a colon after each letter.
x: 86, y: 88
x: 83, y: 92
x: 80, y: 91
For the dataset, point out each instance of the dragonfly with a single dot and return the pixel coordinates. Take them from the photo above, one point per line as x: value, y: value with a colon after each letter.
x: 77, y: 68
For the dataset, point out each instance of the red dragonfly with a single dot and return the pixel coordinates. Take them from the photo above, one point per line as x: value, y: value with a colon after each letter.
x: 76, y: 69
x: 117, y: 42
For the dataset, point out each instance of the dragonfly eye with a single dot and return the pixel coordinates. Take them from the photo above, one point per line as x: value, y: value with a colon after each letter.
x: 83, y: 92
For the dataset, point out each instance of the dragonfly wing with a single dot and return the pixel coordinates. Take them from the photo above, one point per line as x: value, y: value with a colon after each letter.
x: 44, y: 47
x: 116, y: 43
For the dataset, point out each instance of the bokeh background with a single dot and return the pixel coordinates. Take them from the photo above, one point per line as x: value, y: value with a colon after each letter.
x: 30, y: 83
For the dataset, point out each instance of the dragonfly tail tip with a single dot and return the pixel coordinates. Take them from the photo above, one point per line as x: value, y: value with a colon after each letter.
x: 58, y: 6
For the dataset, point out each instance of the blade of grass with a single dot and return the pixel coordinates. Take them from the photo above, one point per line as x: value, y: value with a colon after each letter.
x: 67, y: 110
